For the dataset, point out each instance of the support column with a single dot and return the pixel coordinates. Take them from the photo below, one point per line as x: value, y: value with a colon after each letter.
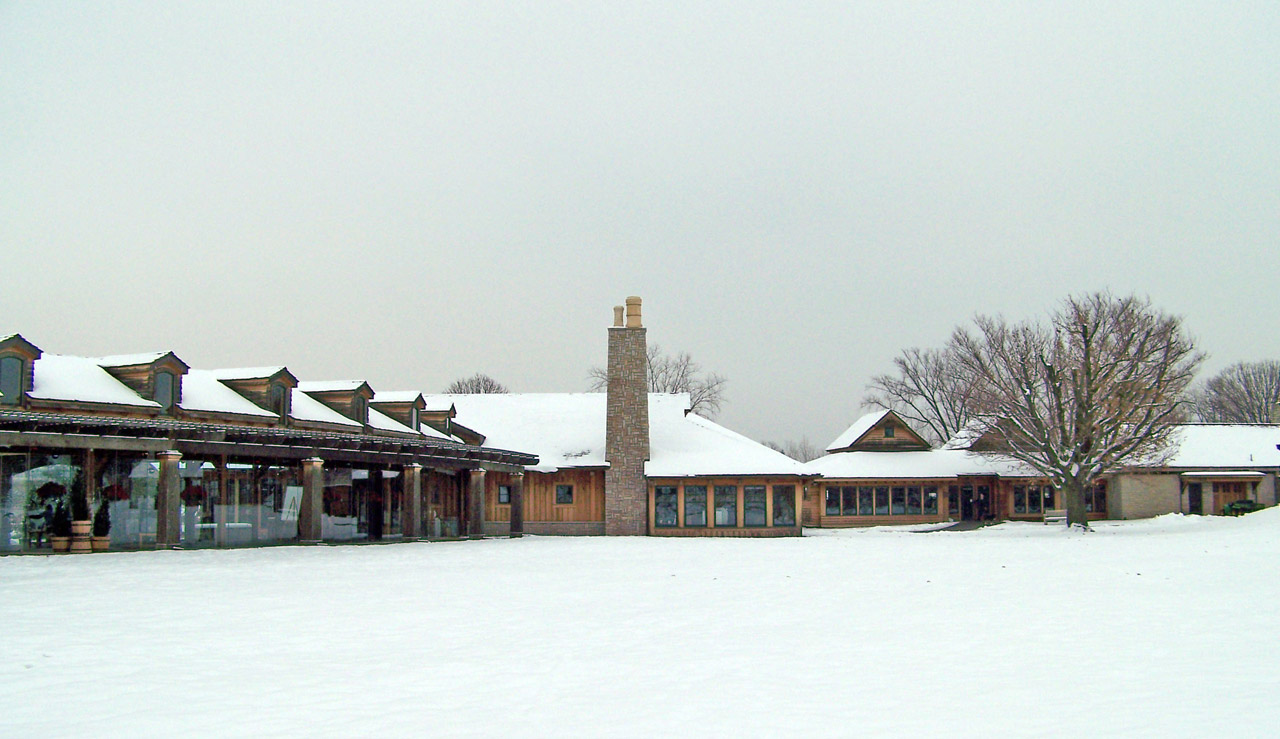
x: 411, y: 516
x: 168, y: 498
x: 517, y: 505
x: 475, y: 503
x: 312, y: 512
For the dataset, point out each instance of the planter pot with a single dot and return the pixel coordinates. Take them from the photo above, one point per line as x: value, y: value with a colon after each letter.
x: 81, y: 528
x: 101, y: 543
x: 60, y: 543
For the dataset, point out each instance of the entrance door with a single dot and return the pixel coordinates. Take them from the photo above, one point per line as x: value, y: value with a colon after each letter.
x: 968, y: 503
x: 1195, y: 499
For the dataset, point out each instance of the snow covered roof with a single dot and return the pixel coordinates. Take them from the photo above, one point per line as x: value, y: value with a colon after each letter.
x: 81, y: 380
x: 682, y: 445
x: 129, y: 360
x: 568, y: 430
x: 383, y: 422
x: 859, y: 429
x: 396, y: 396
x: 331, y: 386
x: 306, y: 408
x: 932, y: 464
x: 202, y: 391
x: 1226, y: 445
x: 247, y: 373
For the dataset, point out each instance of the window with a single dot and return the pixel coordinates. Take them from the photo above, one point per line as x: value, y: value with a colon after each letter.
x: 164, y: 390
x: 1095, y: 500
x: 695, y: 505
x: 280, y: 399
x: 564, y: 495
x: 784, y: 505
x: 1048, y: 498
x: 665, y: 507
x: 850, y: 498
x: 1034, y: 499
x: 899, y: 506
x: 888, y: 431
x: 931, y: 500
x: 833, y: 501
x: 504, y: 495
x: 726, y: 505
x: 11, y: 380
x: 753, y: 505
x: 882, y: 501
x: 865, y: 497
x: 953, y: 500
x: 913, y: 501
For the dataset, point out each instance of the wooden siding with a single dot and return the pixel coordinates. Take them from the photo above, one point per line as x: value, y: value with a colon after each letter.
x: 540, y: 496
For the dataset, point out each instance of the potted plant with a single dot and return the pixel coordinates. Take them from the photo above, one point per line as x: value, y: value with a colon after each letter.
x: 81, y: 521
x: 60, y: 529
x: 102, y: 528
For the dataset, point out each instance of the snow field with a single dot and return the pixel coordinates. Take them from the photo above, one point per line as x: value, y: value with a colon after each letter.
x: 1159, y: 628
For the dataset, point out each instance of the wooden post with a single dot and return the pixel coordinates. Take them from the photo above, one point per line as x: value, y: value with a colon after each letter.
x: 411, y: 515
x: 168, y: 496
x: 475, y: 503
x: 311, y: 514
x: 517, y: 505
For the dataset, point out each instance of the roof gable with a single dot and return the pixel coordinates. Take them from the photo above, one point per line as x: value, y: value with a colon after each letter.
x: 881, y: 430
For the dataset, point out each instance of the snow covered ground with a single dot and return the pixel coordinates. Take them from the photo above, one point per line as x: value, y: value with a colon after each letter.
x: 1165, y: 627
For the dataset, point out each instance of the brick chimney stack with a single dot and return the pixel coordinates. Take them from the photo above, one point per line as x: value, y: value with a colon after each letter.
x: 626, y: 494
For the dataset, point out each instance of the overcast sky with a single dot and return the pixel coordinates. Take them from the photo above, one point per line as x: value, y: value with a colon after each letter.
x: 410, y: 192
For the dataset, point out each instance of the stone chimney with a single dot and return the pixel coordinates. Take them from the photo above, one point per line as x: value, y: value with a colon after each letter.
x: 626, y: 494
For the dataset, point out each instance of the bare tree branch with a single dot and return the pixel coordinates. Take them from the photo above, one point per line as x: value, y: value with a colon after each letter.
x: 927, y: 391
x: 675, y: 373
x: 1242, y: 393
x: 479, y: 383
x: 1101, y: 385
x: 801, y: 451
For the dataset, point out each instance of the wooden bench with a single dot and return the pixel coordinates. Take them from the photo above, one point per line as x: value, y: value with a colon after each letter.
x: 1057, y: 515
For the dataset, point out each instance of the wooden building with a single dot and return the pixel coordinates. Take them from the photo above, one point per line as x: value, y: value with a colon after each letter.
x: 188, y: 457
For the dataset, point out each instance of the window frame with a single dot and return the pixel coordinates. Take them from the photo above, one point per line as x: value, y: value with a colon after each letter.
x: 561, y: 487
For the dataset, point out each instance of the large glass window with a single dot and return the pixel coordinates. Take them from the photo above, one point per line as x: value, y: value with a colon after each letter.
x: 1050, y: 497
x: 665, y: 506
x: 931, y: 500
x: 913, y: 501
x: 695, y: 505
x: 953, y: 500
x: 784, y: 505
x: 564, y: 495
x: 1019, y: 499
x: 865, y: 497
x: 849, y: 496
x: 1034, y: 499
x: 833, y: 501
x: 753, y: 505
x: 726, y: 505
x: 882, y: 501
x: 10, y: 380
x: 899, y: 501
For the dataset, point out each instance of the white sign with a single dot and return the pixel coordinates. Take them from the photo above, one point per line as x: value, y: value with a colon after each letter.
x: 292, y: 503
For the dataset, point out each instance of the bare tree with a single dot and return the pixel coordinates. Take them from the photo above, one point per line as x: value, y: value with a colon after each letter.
x: 478, y: 383
x: 1101, y: 385
x: 927, y: 390
x: 1246, y: 392
x: 675, y: 373
x: 801, y: 451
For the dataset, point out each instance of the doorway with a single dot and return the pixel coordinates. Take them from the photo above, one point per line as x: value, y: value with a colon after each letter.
x: 1195, y: 499
x: 975, y: 502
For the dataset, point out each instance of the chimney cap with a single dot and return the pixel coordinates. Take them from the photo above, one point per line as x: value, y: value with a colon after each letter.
x: 633, y: 312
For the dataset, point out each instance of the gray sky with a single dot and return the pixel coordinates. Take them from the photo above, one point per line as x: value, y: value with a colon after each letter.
x: 411, y: 192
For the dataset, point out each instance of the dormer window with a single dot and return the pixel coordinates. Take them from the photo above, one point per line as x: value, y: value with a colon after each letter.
x: 888, y: 431
x: 280, y: 400
x: 415, y: 421
x: 11, y: 371
x: 165, y: 390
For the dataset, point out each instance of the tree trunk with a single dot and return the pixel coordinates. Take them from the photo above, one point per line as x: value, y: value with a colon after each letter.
x: 1073, y: 493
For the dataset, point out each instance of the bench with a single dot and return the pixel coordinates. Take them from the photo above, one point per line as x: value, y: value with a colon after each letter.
x: 1056, y: 515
